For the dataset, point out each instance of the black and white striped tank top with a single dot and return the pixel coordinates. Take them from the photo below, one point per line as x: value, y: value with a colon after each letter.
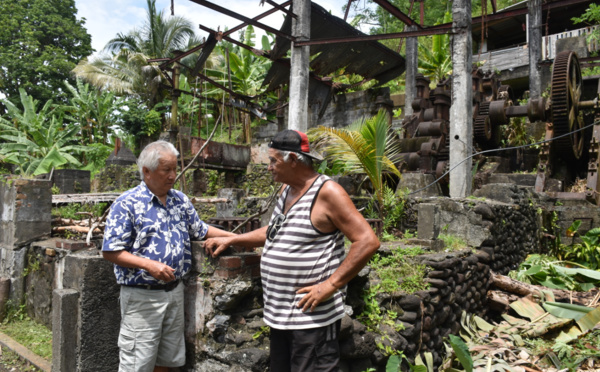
x: 300, y: 256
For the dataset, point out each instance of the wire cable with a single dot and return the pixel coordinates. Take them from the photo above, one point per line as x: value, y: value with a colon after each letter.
x: 501, y: 149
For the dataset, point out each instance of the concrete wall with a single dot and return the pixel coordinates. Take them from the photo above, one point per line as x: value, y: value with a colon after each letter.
x: 347, y: 108
x: 25, y: 211
x: 72, y: 288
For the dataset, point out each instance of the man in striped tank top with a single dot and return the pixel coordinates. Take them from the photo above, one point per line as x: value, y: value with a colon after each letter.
x: 303, y: 269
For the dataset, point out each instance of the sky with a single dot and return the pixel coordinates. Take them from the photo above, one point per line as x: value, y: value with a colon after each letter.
x: 104, y: 19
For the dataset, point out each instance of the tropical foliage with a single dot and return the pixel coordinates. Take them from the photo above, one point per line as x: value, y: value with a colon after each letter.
x: 552, y: 273
x: 366, y: 147
x: 435, y: 61
x: 36, y: 140
x: 40, y: 43
x: 123, y: 68
x: 92, y: 110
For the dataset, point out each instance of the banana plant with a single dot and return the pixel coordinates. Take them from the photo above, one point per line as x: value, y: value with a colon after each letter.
x: 92, y: 110
x: 37, y: 141
x: 435, y: 62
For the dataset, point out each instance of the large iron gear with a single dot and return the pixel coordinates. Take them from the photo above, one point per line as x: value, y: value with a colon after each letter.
x: 566, y: 92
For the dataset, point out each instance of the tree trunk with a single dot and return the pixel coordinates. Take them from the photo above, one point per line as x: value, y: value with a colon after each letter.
x: 509, y: 285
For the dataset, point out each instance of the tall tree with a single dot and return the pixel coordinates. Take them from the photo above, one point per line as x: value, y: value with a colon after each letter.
x: 41, y: 41
x: 124, y: 67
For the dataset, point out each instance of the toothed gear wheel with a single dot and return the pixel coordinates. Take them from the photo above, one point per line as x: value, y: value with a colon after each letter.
x: 566, y: 91
x: 482, y: 129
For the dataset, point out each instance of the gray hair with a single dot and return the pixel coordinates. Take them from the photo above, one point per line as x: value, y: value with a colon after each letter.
x: 152, y: 153
x: 306, y: 160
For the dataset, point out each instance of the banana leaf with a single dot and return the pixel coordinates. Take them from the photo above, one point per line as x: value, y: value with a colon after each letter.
x: 568, y: 311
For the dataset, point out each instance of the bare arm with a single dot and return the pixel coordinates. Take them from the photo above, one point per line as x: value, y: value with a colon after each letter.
x: 214, y: 246
x: 158, y: 270
x: 334, y: 210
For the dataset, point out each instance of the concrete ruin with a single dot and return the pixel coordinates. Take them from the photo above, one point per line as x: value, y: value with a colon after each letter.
x: 67, y: 286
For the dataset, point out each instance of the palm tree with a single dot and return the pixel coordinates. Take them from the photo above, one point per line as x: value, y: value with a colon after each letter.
x: 366, y: 146
x: 123, y: 68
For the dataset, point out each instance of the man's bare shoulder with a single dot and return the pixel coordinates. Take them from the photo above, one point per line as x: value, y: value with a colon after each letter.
x: 333, y: 194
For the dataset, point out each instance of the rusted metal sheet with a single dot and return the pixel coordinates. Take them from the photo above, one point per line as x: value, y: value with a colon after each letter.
x: 369, y: 59
x: 221, y: 155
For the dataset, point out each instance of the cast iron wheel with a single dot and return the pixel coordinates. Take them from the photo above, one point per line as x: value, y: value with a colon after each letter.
x: 566, y: 91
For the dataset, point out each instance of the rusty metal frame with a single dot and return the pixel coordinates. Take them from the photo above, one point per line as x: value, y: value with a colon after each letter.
x: 280, y: 7
x: 436, y: 30
x: 393, y: 10
x: 445, y: 28
x: 258, y: 17
x: 242, y: 18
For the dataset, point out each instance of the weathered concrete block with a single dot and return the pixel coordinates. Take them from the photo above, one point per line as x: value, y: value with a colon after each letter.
x: 198, y: 309
x: 25, y: 211
x: 99, y: 311
x: 575, y: 43
x: 65, y: 314
x: 70, y: 181
x: 233, y: 196
x: 429, y: 221
x: 417, y: 181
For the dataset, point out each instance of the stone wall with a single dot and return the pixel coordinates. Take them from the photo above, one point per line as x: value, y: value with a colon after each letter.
x: 225, y: 330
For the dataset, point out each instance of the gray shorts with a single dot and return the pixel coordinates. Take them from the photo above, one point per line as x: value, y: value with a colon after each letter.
x: 152, y: 326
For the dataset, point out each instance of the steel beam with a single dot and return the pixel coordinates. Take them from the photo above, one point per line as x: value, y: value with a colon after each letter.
x: 258, y: 17
x: 437, y: 30
x: 393, y: 10
x: 242, y: 18
x: 280, y: 7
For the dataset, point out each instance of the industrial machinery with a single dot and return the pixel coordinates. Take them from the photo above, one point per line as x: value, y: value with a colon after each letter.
x: 569, y: 152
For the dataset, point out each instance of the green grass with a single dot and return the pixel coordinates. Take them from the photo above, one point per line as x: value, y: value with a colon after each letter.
x: 452, y: 243
x: 34, y: 336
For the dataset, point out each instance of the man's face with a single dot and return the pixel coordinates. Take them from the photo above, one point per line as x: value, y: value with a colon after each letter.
x: 162, y: 179
x: 277, y: 166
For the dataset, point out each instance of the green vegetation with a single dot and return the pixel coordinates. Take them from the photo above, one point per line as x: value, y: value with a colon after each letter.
x: 36, y: 140
x: 586, y: 253
x: 396, y: 272
x: 452, y: 243
x: 569, y: 355
x: 366, y: 147
x: 435, y: 61
x: 591, y: 17
x: 553, y: 273
x: 41, y: 41
x: 71, y: 211
x: 34, y: 336
x: 12, y: 360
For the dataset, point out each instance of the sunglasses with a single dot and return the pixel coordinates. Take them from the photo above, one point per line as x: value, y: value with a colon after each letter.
x: 275, y: 226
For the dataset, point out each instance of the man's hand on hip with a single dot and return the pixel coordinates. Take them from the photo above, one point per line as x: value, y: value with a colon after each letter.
x: 315, y: 294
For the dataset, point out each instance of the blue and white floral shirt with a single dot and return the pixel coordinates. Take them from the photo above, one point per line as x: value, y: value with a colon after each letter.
x: 141, y: 225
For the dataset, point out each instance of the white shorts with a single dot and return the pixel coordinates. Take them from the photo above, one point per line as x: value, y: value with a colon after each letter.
x: 152, y: 326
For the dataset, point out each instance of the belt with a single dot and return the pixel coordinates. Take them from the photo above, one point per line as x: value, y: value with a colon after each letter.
x: 156, y: 287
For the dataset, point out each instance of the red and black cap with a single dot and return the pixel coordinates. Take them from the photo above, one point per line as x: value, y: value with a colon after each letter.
x: 293, y: 140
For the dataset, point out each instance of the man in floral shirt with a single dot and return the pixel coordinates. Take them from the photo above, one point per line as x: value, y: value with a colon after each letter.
x: 147, y: 237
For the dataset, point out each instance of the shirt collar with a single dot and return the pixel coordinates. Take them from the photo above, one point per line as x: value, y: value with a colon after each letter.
x: 151, y: 195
